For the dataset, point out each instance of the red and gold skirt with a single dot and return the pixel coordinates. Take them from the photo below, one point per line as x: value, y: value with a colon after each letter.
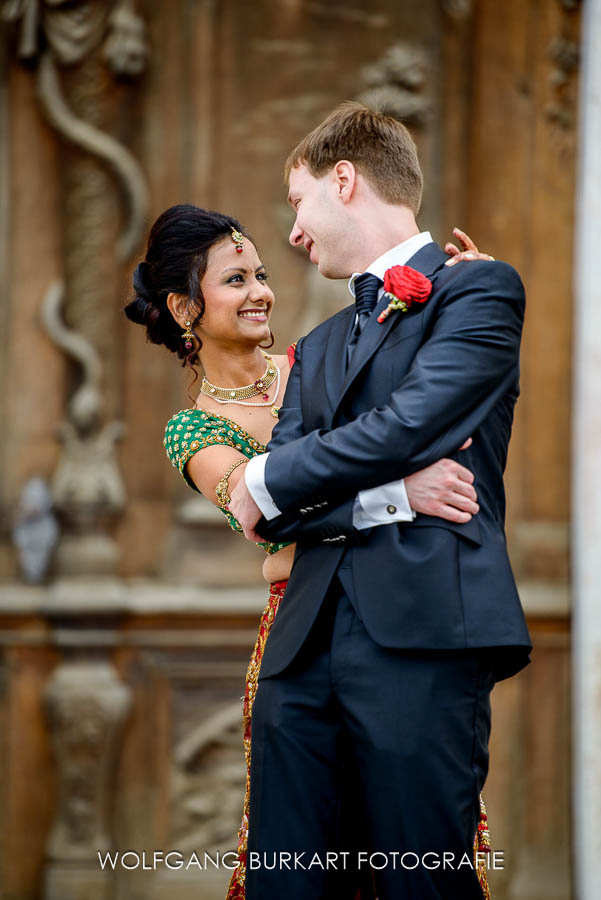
x: 276, y: 592
x: 236, y: 886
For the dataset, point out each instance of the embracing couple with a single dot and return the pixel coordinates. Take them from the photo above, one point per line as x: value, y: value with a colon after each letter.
x: 371, y: 696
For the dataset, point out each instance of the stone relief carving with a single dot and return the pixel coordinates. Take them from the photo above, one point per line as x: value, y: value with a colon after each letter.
x: 395, y: 84
x: 565, y: 56
x: 73, y: 31
x: 125, y: 49
x: 207, y: 781
x: 102, y: 146
x: 87, y: 486
x: 86, y: 706
x: 86, y: 401
x: 78, y: 45
x: 457, y: 9
x: 563, y: 53
x: 89, y: 492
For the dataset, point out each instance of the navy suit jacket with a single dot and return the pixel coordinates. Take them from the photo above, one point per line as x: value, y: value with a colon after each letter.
x: 418, y: 386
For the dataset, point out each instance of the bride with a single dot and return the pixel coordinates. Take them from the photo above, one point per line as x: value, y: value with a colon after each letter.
x: 203, y: 292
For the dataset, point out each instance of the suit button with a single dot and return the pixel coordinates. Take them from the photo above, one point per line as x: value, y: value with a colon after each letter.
x: 391, y: 509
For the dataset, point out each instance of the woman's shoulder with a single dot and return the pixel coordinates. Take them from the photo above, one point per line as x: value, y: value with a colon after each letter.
x: 177, y: 416
x: 191, y: 419
x: 180, y: 427
x: 282, y: 360
x: 182, y: 420
x: 193, y: 429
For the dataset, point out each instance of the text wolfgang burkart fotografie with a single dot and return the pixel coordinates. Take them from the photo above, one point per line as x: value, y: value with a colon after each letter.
x: 290, y: 859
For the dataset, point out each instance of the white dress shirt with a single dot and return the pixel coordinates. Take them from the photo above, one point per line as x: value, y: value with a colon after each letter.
x: 376, y: 506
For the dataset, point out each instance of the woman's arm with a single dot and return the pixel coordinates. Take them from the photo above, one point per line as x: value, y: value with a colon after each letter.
x: 206, y: 469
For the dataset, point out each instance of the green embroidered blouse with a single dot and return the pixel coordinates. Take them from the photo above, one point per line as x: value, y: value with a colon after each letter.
x: 191, y: 430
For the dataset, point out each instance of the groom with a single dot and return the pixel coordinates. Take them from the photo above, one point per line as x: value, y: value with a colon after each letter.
x: 390, y: 638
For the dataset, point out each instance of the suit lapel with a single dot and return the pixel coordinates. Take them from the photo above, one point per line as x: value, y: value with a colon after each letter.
x: 427, y: 261
x: 335, y: 356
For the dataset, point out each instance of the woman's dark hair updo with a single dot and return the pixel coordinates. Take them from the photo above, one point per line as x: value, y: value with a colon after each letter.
x: 176, y: 260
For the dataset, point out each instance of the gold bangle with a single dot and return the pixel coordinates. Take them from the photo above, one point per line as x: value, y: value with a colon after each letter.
x: 222, y: 486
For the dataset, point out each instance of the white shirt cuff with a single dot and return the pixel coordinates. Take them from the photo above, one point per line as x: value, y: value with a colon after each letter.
x: 254, y: 475
x: 382, y: 505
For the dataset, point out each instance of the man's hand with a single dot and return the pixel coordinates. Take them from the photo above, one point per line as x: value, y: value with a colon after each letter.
x: 245, y: 510
x: 444, y: 489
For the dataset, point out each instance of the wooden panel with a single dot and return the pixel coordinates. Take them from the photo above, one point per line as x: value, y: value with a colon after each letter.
x: 520, y: 200
x: 528, y: 789
x: 29, y: 794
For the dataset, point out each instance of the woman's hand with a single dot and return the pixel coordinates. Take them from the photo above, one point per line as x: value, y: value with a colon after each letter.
x: 243, y: 507
x: 444, y: 489
x: 469, y: 251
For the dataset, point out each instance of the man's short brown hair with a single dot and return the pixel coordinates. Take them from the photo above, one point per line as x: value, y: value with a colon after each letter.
x: 378, y: 145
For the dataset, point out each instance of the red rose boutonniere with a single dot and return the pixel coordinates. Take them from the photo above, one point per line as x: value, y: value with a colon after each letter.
x: 404, y: 286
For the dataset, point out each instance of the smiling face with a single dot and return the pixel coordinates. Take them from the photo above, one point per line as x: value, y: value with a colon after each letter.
x: 321, y: 223
x: 238, y: 301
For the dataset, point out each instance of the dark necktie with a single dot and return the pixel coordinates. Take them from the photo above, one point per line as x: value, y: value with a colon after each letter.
x: 366, y: 296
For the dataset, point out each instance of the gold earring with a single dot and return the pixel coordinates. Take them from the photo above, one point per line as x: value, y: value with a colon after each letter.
x: 187, y: 336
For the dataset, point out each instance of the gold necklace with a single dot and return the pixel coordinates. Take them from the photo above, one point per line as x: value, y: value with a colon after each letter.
x: 260, y: 386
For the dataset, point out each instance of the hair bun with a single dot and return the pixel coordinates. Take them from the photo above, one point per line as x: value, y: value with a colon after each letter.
x: 142, y: 309
x: 139, y: 310
x: 144, y: 271
x: 142, y: 280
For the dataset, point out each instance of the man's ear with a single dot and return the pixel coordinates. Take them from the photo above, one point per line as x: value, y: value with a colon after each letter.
x: 344, y: 175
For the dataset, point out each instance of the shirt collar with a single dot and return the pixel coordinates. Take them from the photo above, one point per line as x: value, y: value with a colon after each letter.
x: 396, y: 256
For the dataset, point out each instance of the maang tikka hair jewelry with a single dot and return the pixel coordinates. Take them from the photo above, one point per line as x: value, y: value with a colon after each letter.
x: 237, y: 239
x: 187, y: 336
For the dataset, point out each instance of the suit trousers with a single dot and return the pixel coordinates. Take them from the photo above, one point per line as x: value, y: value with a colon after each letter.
x: 367, y: 757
